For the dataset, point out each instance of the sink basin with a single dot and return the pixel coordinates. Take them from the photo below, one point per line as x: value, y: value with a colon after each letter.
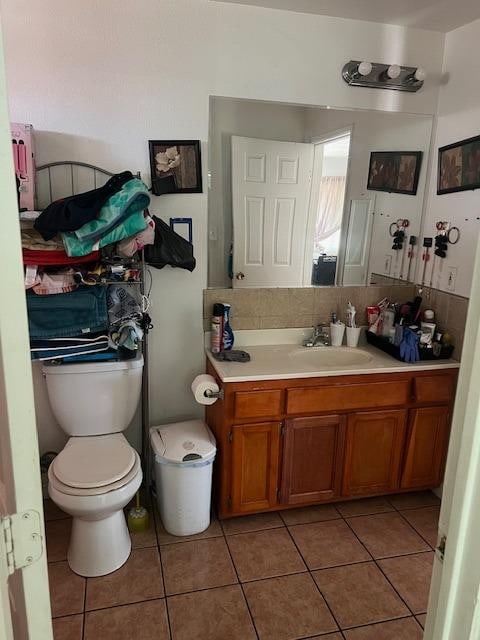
x: 330, y: 356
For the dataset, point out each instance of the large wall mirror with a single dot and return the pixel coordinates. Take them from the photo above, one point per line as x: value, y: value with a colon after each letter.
x: 296, y: 197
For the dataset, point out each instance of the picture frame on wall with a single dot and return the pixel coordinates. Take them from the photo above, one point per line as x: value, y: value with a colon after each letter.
x: 459, y: 166
x: 175, y: 166
x: 394, y: 171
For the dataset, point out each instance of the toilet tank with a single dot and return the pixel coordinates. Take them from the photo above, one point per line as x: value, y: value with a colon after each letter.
x: 94, y: 398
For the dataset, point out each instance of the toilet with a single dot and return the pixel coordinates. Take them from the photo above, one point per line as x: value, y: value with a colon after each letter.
x: 97, y: 473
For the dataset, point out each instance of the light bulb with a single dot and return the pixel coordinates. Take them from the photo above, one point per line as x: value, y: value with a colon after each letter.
x: 393, y: 71
x: 420, y: 74
x: 365, y: 68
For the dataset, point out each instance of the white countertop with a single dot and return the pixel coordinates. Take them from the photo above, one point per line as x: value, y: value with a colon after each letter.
x: 287, y: 361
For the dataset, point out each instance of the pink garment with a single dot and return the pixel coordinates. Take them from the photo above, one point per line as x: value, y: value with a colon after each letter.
x: 59, y: 282
x: 129, y: 246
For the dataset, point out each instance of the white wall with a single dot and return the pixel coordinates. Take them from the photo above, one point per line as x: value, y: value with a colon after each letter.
x: 379, y: 132
x: 98, y: 78
x: 251, y: 120
x: 334, y: 165
x: 458, y: 118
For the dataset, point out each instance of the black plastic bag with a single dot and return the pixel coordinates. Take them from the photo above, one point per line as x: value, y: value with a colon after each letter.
x: 169, y: 248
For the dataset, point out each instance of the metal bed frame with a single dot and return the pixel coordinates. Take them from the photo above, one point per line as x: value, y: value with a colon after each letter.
x: 97, y: 173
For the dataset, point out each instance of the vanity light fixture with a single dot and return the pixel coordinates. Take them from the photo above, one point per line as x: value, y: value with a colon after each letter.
x: 364, y: 68
x: 376, y: 75
x: 419, y: 75
x: 394, y: 71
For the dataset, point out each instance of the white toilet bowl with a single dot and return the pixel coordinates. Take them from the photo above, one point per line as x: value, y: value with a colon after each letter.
x: 94, y: 490
x: 97, y: 473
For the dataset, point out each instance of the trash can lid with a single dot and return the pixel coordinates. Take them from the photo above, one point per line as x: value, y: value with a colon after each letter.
x: 183, y: 441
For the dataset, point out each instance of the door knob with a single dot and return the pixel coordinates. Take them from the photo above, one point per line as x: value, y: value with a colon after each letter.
x: 240, y: 275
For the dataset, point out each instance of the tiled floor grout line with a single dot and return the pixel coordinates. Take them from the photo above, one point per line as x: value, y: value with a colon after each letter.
x: 314, y: 581
x: 406, y: 522
x: 417, y: 532
x: 84, y: 615
x: 400, y: 513
x: 112, y: 606
x: 308, y: 570
x: 423, y: 506
x: 380, y: 568
x: 163, y: 576
x: 240, y: 583
x: 393, y: 586
x: 323, y: 635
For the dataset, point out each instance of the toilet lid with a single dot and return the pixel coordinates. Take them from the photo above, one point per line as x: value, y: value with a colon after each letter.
x: 94, y: 461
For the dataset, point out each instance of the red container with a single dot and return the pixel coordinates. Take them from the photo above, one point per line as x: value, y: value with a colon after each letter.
x: 373, y: 312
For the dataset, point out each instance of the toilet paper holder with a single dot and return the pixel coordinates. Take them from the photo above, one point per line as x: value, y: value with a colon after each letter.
x: 209, y: 393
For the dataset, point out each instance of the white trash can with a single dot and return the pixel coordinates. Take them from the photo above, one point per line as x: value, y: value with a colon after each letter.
x: 184, y: 453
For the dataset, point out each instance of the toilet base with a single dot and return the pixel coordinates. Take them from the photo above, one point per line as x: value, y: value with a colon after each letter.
x: 99, y: 547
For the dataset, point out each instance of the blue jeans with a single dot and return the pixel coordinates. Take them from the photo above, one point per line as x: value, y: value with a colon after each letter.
x: 79, y: 312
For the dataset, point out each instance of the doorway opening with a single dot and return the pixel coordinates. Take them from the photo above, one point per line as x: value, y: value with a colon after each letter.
x: 330, y: 169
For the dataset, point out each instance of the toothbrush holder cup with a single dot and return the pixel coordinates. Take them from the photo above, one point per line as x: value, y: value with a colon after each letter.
x: 353, y: 335
x: 336, y: 334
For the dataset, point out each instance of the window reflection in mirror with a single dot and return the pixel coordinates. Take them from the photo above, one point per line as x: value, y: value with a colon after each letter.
x: 331, y: 163
x: 288, y: 201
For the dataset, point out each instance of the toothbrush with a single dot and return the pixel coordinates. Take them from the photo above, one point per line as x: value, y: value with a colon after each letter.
x: 351, y: 312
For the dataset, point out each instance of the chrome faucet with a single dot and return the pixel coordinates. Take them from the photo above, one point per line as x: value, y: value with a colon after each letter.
x: 320, y: 337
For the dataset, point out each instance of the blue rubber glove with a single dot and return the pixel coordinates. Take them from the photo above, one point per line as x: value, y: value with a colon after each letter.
x: 409, y: 346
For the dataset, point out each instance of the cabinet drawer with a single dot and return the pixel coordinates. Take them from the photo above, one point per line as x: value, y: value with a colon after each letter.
x: 434, y: 388
x: 266, y: 403
x: 346, y: 397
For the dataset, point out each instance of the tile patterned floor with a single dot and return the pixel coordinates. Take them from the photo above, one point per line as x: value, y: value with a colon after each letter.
x: 354, y: 571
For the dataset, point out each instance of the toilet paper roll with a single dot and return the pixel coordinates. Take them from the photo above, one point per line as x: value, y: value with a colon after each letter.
x: 204, y: 382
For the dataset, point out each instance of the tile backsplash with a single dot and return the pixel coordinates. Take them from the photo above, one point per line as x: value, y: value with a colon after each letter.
x: 278, y: 308
x: 450, y: 313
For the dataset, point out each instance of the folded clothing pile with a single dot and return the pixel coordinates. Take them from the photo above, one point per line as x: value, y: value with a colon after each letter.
x: 120, y: 217
x: 90, y: 323
x: 63, y: 249
x: 83, y: 223
x: 70, y: 233
x: 65, y: 315
x: 70, y: 214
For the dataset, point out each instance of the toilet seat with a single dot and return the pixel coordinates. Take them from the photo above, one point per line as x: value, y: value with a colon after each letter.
x: 96, y: 465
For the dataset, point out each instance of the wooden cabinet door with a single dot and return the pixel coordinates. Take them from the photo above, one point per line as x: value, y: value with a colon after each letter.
x: 312, y: 459
x: 255, y: 464
x: 426, y: 448
x: 373, y: 452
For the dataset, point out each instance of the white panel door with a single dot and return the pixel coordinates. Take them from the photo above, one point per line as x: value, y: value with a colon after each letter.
x: 357, y: 245
x: 24, y: 594
x: 270, y: 191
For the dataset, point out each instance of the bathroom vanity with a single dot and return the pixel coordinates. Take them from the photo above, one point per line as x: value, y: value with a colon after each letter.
x: 298, y: 426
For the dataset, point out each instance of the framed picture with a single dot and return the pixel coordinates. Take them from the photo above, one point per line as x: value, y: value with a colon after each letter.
x: 459, y: 166
x: 175, y: 166
x: 394, y: 171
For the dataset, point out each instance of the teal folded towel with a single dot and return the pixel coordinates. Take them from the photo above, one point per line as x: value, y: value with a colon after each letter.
x: 120, y: 217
